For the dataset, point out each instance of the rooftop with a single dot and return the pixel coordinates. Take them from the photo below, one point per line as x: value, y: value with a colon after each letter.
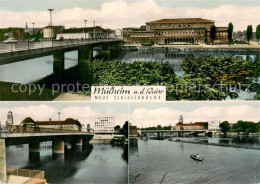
x: 182, y: 20
x: 67, y: 121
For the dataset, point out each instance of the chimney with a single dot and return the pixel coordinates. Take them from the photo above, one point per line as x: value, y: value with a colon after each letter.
x: 49, y: 119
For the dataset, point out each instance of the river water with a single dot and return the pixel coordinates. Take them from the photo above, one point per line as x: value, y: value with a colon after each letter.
x: 164, y: 161
x: 98, y: 163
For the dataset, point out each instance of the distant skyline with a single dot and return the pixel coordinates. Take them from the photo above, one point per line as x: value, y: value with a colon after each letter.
x: 165, y: 114
x: 127, y: 13
x: 84, y: 112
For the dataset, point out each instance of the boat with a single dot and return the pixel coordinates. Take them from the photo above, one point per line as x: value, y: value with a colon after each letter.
x: 194, y: 157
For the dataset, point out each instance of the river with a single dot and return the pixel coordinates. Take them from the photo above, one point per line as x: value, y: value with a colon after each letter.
x: 98, y: 163
x: 164, y: 161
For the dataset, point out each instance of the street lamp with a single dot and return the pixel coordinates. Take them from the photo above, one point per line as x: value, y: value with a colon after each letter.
x: 85, y: 29
x: 33, y: 28
x: 50, y: 16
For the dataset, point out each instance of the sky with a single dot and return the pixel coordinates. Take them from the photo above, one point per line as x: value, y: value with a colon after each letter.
x: 165, y: 114
x: 84, y: 112
x: 126, y: 13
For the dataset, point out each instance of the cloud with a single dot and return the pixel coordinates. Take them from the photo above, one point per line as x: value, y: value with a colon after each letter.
x: 43, y: 112
x: 166, y: 116
x: 119, y: 14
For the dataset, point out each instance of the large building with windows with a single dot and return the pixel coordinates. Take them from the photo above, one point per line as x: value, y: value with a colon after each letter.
x: 68, y: 124
x: 176, y: 31
x: 104, y: 124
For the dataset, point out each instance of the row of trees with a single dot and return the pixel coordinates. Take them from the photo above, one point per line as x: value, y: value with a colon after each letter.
x: 158, y: 127
x: 249, y: 33
x: 245, y: 127
x: 205, y: 78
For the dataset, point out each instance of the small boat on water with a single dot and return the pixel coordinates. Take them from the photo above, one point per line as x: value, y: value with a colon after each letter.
x: 195, y: 157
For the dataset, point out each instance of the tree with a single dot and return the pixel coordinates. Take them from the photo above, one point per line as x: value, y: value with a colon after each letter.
x: 224, y: 126
x: 258, y: 32
x: 213, y: 33
x: 230, y: 32
x: 249, y: 33
x: 117, y: 128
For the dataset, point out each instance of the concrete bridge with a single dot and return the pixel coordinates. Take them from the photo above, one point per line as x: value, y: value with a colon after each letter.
x: 84, y: 48
x: 59, y: 141
x: 179, y: 132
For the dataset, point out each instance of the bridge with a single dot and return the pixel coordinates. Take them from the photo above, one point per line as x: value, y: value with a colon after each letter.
x: 15, y: 52
x: 59, y: 138
x: 179, y: 132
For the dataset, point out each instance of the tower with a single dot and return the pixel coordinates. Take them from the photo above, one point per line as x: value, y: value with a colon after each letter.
x: 181, y: 119
x: 26, y: 29
x: 10, y: 119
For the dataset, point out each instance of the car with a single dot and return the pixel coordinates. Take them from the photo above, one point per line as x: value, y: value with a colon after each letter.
x: 10, y: 40
x: 35, y: 40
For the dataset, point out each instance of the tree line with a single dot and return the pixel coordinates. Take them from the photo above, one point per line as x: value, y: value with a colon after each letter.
x: 240, y: 126
x: 249, y: 33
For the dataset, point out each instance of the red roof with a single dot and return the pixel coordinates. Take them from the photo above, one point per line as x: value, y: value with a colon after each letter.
x: 68, y: 121
x: 182, y: 20
x: 192, y: 124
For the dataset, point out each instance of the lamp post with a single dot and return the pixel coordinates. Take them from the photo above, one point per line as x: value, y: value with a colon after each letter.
x: 85, y: 29
x: 33, y: 28
x: 50, y: 16
x: 50, y: 36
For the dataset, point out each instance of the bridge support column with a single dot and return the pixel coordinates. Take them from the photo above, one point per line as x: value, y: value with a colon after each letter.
x: 58, y: 146
x: 79, y: 142
x: 34, y: 147
x: 3, y: 174
x: 106, y: 51
x: 85, y: 54
x: 58, y: 65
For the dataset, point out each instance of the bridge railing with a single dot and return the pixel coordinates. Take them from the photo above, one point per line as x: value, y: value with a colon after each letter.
x: 27, y: 129
x: 25, y: 172
x: 29, y: 45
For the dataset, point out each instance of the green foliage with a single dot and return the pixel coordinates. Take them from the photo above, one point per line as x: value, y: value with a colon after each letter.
x: 117, y: 128
x: 159, y: 127
x: 224, y: 126
x: 246, y: 127
x: 205, y: 78
x: 249, y: 33
x: 214, y: 77
x: 230, y: 32
x: 213, y: 33
x: 258, y: 32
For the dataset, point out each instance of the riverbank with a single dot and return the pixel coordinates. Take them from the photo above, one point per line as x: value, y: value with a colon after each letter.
x: 252, y: 45
x: 219, y: 144
x: 72, y: 97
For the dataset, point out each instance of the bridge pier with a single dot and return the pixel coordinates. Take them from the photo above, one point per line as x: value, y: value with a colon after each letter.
x: 160, y: 135
x: 85, y: 56
x: 106, y: 51
x: 58, y: 65
x: 34, y: 147
x: 3, y: 174
x: 79, y: 142
x: 58, y: 146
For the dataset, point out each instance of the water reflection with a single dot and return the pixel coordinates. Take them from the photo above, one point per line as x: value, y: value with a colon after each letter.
x: 95, y: 163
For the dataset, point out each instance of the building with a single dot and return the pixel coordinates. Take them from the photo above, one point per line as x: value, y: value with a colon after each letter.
x: 83, y: 33
x: 175, y: 31
x: 68, y: 124
x: 104, y: 124
x: 241, y: 36
x: 49, y: 32
x: 133, y: 130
